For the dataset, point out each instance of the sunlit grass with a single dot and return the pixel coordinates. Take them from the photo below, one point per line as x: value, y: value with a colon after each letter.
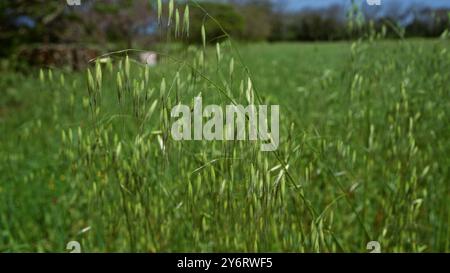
x: 363, y: 154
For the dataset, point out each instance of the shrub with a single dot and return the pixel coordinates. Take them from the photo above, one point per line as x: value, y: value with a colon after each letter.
x: 231, y: 21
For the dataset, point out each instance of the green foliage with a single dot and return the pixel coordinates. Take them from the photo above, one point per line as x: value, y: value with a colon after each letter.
x: 258, y: 20
x: 46, y: 23
x: 231, y: 21
x: 364, y: 154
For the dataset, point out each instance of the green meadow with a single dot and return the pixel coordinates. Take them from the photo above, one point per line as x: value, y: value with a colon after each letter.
x: 363, y: 155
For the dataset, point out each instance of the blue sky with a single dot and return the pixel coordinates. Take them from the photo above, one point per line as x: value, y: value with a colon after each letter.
x: 299, y: 4
x: 393, y: 7
x: 400, y: 9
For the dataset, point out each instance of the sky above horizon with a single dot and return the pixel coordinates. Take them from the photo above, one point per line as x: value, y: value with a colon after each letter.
x: 401, y: 9
x: 300, y: 4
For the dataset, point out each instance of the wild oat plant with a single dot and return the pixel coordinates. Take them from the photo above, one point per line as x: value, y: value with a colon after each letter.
x: 363, y: 155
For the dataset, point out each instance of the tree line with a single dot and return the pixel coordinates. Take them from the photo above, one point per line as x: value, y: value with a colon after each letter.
x: 128, y: 23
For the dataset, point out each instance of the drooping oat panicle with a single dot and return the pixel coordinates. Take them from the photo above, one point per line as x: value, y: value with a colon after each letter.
x: 203, y: 35
x: 41, y: 76
x: 80, y: 133
x: 162, y: 89
x: 186, y: 21
x: 127, y: 68
x: 177, y: 23
x: 201, y: 58
x: 62, y: 80
x: 119, y: 86
x: 147, y: 74
x: 63, y: 136
x: 218, y: 53
x: 171, y: 10
x: 98, y: 75
x: 50, y: 75
x: 241, y: 88
x: 118, y: 150
x: 151, y: 110
x: 250, y: 92
x: 231, y: 66
x: 159, y: 11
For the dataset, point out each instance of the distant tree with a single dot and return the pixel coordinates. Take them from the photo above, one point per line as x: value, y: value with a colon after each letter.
x: 418, y: 28
x: 278, y: 28
x: 258, y: 17
x: 226, y: 14
x: 30, y: 21
x: 26, y: 22
x: 121, y: 21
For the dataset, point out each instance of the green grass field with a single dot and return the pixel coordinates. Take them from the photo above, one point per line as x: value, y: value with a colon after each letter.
x: 363, y: 156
